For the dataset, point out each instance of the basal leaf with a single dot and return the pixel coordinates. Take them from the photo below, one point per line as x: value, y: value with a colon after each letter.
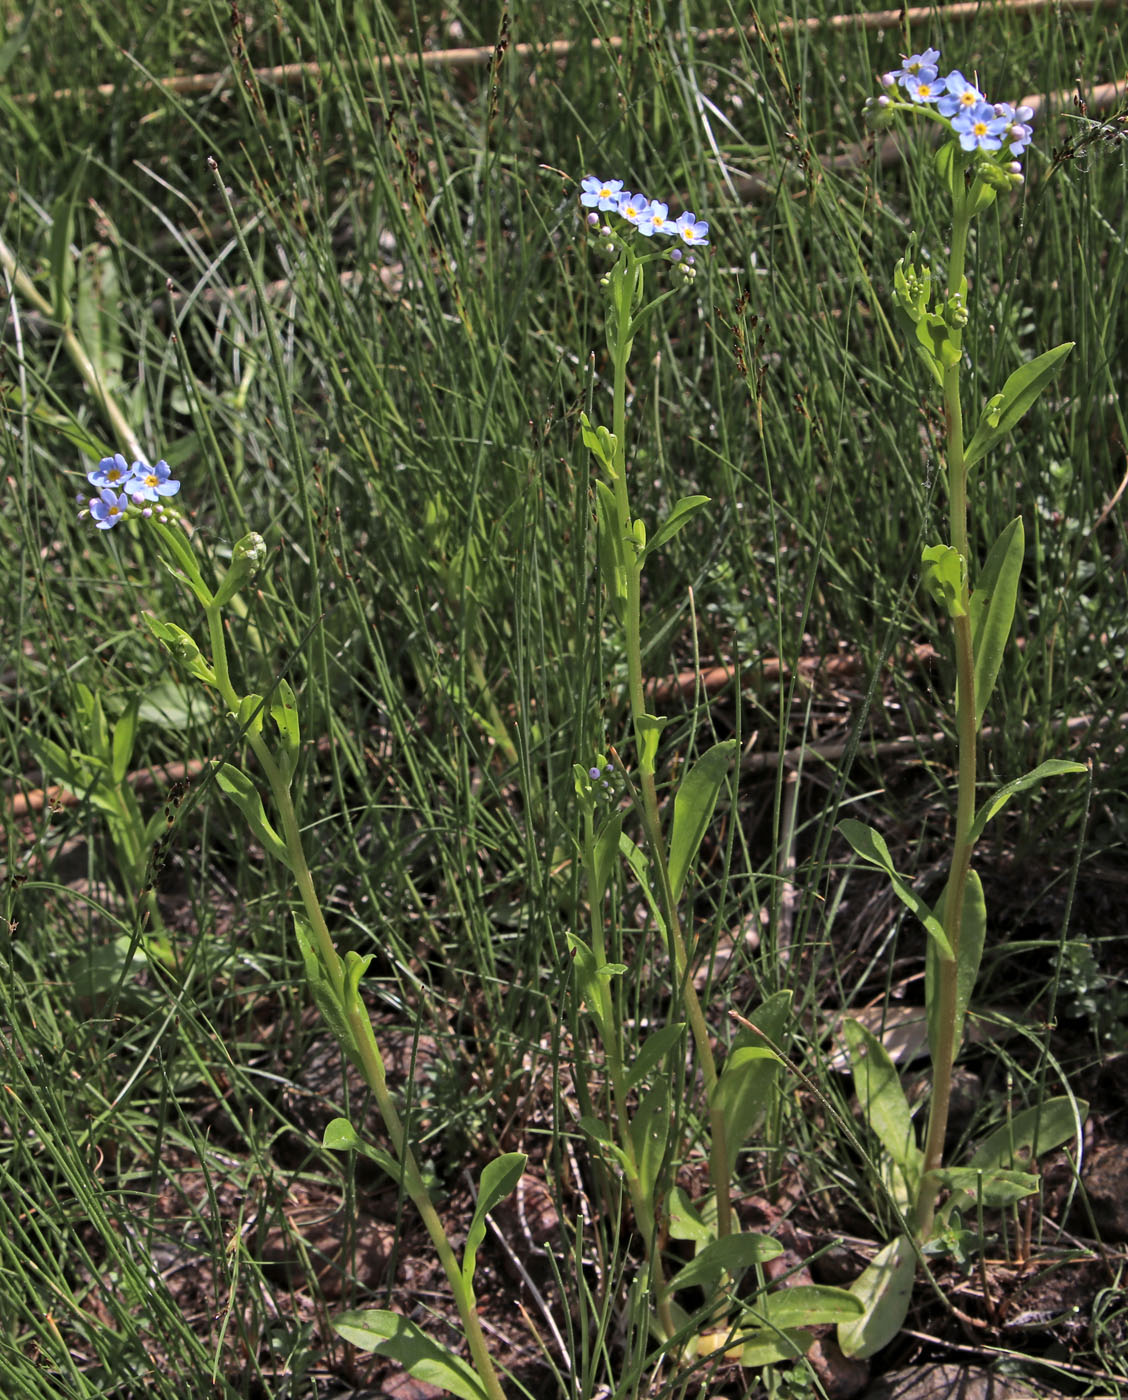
x: 885, y: 1290
x: 386, y: 1333
x: 884, y: 1106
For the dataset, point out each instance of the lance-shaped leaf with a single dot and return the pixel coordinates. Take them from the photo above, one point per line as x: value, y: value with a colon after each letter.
x: 693, y: 808
x: 804, y: 1305
x: 973, y: 933
x: 1052, y: 768
x: 992, y: 611
x: 870, y: 845
x: 885, y: 1290
x: 1024, y: 1139
x: 882, y: 1098
x: 499, y: 1178
x: 390, y: 1334
x: 944, y: 575
x: 601, y: 442
x: 730, y: 1255
x: 611, y: 547
x: 1004, y: 410
x: 649, y: 728
x: 654, y: 1050
x: 650, y: 1128
x: 124, y: 735
x: 606, y: 853
x: 682, y: 513
x: 235, y: 783
x: 994, y: 1188
x: 744, y: 1089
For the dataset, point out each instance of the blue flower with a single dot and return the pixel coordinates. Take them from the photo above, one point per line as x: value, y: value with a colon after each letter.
x: 109, y: 509
x: 151, y: 482
x: 657, y: 221
x: 112, y: 471
x: 692, y: 230
x: 925, y: 89
x: 635, y: 208
x: 1019, y: 131
x: 600, y: 194
x: 960, y: 95
x: 979, y: 128
x: 918, y: 67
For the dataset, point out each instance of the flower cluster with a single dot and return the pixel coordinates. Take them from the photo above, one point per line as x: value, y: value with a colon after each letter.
x: 979, y: 124
x: 649, y: 216
x: 121, y: 485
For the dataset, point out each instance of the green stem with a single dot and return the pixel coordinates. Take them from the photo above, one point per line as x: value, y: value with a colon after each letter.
x: 610, y: 1022
x: 948, y: 980
x: 370, y: 1060
x: 626, y: 287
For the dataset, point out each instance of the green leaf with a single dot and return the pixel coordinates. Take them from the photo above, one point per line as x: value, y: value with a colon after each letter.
x: 884, y: 1106
x: 183, y: 646
x: 804, y: 1305
x: 600, y: 442
x: 995, y: 1188
x: 766, y: 1348
x: 744, y: 1088
x: 177, y: 552
x: 389, y: 1334
x: 973, y: 934
x: 885, y: 1290
x: 870, y: 845
x: 1052, y: 768
x: 730, y: 1255
x: 945, y: 577
x: 249, y: 714
x: 284, y: 713
x: 650, y: 1128
x: 499, y: 1178
x: 1023, y: 1140
x: 235, y: 783
x: 124, y: 736
x: 655, y: 1049
x: 685, y: 1223
x: 610, y: 546
x: 693, y: 809
x: 648, y: 728
x: 606, y: 853
x: 321, y: 985
x: 683, y: 511
x: 1031, y: 1133
x: 992, y: 611
x: 601, y: 1136
x: 1018, y: 394
x: 640, y: 867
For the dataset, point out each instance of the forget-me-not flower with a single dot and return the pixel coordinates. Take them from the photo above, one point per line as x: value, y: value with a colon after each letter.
x: 657, y: 220
x: 600, y: 194
x: 109, y: 508
x: 152, y: 482
x: 634, y: 208
x: 692, y: 230
x: 959, y: 95
x: 979, y: 128
x: 918, y: 67
x: 1019, y: 131
x: 925, y: 89
x: 112, y: 471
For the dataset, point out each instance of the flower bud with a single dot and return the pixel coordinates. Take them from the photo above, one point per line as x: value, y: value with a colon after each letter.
x: 247, y: 559
x: 593, y: 220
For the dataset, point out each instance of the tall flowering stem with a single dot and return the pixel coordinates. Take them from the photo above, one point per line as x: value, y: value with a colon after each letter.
x: 623, y: 553
x: 136, y: 491
x: 976, y: 162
